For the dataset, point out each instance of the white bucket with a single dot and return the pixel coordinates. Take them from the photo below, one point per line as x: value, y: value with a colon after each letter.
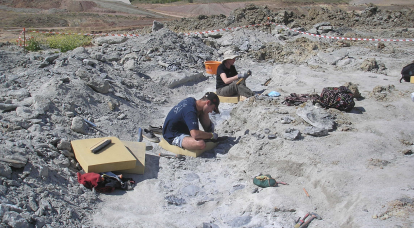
x: 412, y: 97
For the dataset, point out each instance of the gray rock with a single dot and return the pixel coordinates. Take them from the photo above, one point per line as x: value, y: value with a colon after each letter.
x: 79, y: 126
x: 174, y: 200
x: 354, y: 89
x: 8, y: 107
x: 26, y: 113
x: 190, y: 190
x: 210, y: 225
x: 97, y: 83
x: 109, y: 40
x: 78, y: 51
x: 240, y: 221
x: 191, y: 177
x: 176, y: 79
x: 291, y: 134
x: 129, y: 65
x: 325, y: 29
x: 317, y: 117
x: 43, y: 171
x: 345, y: 61
x: 18, y: 94
x: 369, y: 64
x: 90, y: 62
x: 113, y: 57
x: 324, y: 23
x: 130, y: 56
x: 41, y: 221
x: 62, y: 161
x: 44, y: 64
x: 157, y: 26
x: 313, y: 31
x: 51, y: 58
x: 5, y: 170
x: 67, y: 153
x: 15, y: 160
x: 314, y: 131
x: 35, y: 128
x: 286, y: 120
x: 271, y: 136
x: 32, y: 204
x: 3, y: 191
x: 14, y: 219
x: 64, y: 145
x: 41, y: 104
x: 266, y: 130
x: 332, y: 58
x: 99, y: 57
x: 245, y: 46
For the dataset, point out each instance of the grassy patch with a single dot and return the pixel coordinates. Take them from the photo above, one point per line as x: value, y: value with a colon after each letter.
x: 62, y: 42
x: 67, y: 42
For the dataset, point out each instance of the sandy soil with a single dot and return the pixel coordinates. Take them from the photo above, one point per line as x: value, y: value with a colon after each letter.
x: 357, y: 176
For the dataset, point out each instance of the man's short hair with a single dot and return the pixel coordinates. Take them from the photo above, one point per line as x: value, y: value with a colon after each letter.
x: 213, y: 98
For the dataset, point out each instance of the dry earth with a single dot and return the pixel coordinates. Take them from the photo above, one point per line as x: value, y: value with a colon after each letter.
x: 114, y: 16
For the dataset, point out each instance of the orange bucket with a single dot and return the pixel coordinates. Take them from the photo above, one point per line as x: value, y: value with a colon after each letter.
x: 211, y: 66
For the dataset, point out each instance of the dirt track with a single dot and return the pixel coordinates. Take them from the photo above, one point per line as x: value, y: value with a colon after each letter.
x: 117, y: 16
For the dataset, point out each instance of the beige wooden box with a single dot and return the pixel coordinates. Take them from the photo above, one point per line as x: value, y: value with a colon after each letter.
x: 234, y: 99
x: 138, y: 150
x: 113, y: 157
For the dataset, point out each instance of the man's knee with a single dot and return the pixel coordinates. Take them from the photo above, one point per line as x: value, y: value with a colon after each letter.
x: 201, y: 145
x: 191, y: 144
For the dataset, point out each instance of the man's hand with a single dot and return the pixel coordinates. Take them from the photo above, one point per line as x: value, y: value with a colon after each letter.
x: 215, y: 136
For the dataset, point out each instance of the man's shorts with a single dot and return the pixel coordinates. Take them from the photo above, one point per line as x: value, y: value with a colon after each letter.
x: 178, y: 141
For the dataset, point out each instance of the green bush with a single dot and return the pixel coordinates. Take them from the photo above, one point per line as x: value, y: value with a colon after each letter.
x: 67, y: 42
x: 32, y: 44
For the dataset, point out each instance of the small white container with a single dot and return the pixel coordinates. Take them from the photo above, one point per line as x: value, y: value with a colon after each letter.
x: 412, y: 97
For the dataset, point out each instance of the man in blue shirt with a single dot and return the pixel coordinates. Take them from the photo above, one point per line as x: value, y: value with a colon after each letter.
x: 181, y: 124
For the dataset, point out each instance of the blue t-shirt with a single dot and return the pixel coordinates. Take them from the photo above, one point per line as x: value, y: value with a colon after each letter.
x: 181, y: 120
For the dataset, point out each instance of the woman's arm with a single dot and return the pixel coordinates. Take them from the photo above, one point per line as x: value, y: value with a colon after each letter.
x: 228, y: 80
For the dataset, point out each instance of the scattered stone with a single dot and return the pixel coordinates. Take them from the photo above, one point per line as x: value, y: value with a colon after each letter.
x: 8, y: 107
x: 210, y: 225
x: 317, y: 117
x: 79, y: 126
x: 14, y: 219
x: 271, y: 136
x: 315, y: 131
x: 64, y: 145
x: 287, y: 120
x: 5, y: 170
x: 369, y: 64
x: 291, y: 134
x: 407, y: 152
x: 190, y: 190
x: 157, y: 26
x: 174, y: 200
x: 354, y: 89
x: 239, y: 221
